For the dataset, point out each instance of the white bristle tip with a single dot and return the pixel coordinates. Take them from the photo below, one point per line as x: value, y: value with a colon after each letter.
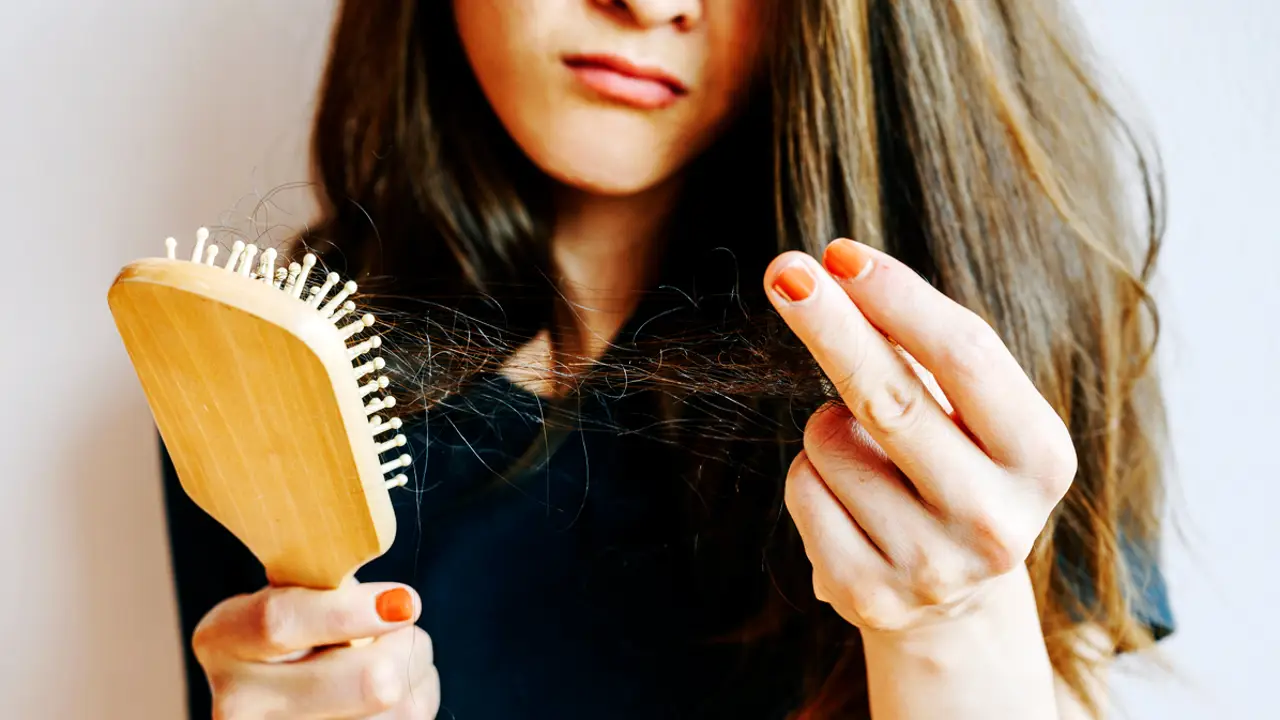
x: 395, y: 442
x: 377, y: 426
x: 375, y: 385
x: 346, y: 309
x: 372, y: 366
x: 356, y: 326
x: 246, y: 262
x: 170, y: 246
x: 403, y: 461
x: 336, y: 301
x: 237, y: 248
x: 398, y: 481
x: 196, y: 253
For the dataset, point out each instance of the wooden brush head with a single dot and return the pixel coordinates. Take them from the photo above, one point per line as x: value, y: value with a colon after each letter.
x: 255, y: 396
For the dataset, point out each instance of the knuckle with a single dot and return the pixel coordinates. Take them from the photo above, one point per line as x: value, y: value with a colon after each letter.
x: 210, y: 631
x: 382, y: 685
x: 1058, y: 464
x: 833, y: 590
x: 876, y: 608
x: 202, y: 641
x: 276, y: 622
x: 992, y: 545
x: 933, y: 580
x: 894, y: 408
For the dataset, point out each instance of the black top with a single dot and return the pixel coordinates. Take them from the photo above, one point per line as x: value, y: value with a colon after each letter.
x: 553, y: 580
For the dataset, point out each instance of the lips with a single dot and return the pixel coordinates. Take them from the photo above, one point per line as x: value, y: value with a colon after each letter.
x: 618, y: 79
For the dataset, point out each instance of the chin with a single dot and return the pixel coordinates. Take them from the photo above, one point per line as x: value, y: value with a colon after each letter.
x: 612, y: 179
x: 603, y: 154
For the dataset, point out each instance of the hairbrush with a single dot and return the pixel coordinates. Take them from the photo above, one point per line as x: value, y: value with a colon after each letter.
x: 263, y: 382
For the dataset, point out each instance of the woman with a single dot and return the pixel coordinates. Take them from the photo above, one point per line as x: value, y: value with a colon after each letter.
x: 635, y: 499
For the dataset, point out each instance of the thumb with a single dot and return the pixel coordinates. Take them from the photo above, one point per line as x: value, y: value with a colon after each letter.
x: 276, y: 623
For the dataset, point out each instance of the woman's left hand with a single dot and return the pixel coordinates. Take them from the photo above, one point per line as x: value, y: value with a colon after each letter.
x: 909, y: 509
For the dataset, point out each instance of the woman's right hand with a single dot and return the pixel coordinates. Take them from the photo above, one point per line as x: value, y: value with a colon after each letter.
x: 258, y: 652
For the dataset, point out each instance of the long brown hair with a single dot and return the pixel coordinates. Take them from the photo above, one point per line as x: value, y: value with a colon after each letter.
x: 969, y: 139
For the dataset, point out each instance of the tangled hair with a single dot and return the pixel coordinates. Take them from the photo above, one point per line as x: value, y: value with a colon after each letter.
x: 969, y: 139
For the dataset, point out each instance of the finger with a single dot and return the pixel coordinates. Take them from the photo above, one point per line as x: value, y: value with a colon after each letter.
x: 832, y: 540
x: 391, y: 673
x: 927, y: 378
x: 877, y: 384
x: 278, y: 622
x: 869, y: 486
x: 929, y: 552
x: 423, y: 702
x: 993, y: 396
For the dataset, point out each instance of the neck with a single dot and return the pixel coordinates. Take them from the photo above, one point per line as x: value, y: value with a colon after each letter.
x: 605, y: 251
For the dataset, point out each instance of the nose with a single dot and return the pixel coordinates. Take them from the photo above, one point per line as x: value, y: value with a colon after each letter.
x: 683, y: 14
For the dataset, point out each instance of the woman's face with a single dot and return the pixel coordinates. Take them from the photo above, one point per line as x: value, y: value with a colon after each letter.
x: 613, y: 97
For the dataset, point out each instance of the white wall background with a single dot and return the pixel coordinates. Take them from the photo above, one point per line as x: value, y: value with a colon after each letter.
x: 1206, y: 73
x: 123, y: 121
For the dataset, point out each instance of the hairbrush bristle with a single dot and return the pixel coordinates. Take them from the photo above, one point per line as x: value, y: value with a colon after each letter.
x: 236, y: 249
x: 296, y: 281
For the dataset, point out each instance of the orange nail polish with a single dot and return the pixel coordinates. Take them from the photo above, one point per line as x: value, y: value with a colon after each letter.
x: 847, y: 260
x: 794, y: 283
x: 395, y: 605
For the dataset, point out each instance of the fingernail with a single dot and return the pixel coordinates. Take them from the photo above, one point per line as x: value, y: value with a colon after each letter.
x: 395, y: 605
x: 847, y: 260
x: 794, y: 283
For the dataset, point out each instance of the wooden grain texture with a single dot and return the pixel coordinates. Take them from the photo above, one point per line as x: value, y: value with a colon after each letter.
x: 255, y: 398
